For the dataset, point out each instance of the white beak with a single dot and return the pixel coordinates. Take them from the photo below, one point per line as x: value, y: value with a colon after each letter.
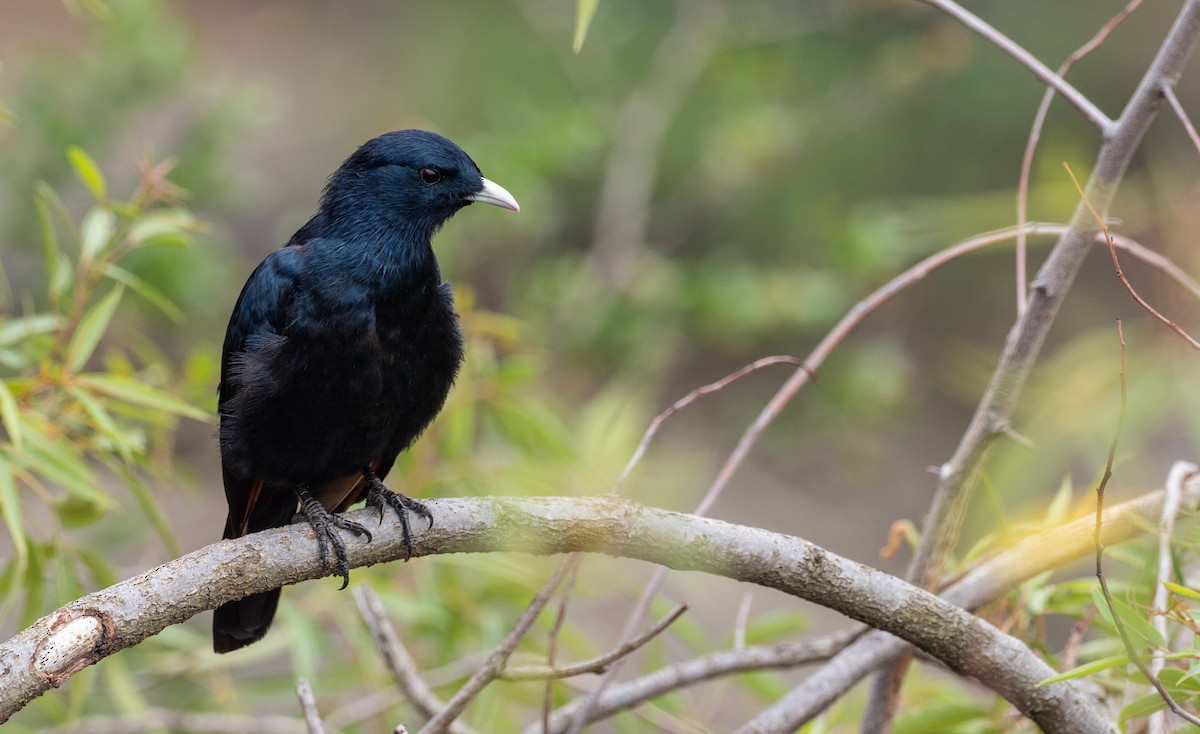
x: 495, y: 194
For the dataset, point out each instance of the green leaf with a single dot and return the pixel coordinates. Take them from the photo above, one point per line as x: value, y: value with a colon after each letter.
x: 146, y: 291
x: 76, y: 512
x: 91, y: 327
x: 1087, y: 669
x: 585, y: 10
x: 1132, y: 620
x: 936, y: 719
x: 1056, y: 513
x: 43, y: 199
x: 1182, y: 590
x: 14, y: 330
x: 10, y: 414
x: 151, y: 507
x: 166, y: 227
x: 59, y: 462
x: 88, y: 172
x: 104, y: 423
x: 96, y: 231
x: 10, y: 505
x: 1142, y: 707
x: 132, y: 391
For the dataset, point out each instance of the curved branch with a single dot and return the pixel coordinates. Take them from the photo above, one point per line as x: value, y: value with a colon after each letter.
x: 97, y: 625
x: 981, y: 585
x: 1090, y: 112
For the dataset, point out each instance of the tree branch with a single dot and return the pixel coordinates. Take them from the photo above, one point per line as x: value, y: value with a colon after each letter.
x: 981, y: 585
x: 131, y: 611
x: 1090, y: 112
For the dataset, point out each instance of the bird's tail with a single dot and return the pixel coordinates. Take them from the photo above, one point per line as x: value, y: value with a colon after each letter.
x: 239, y: 623
x: 243, y: 621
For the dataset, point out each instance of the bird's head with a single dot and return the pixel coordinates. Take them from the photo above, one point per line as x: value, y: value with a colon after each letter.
x: 410, y: 179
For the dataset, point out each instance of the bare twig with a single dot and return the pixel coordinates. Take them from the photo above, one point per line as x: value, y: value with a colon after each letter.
x: 552, y: 641
x: 1075, y: 638
x: 1112, y: 250
x: 1180, y: 472
x: 623, y: 696
x: 1130, y: 647
x: 695, y: 395
x: 398, y: 660
x: 1035, y: 133
x: 496, y: 661
x: 595, y: 665
x: 181, y: 722
x: 1090, y: 112
x: 739, y: 624
x: 312, y: 717
x: 1169, y: 92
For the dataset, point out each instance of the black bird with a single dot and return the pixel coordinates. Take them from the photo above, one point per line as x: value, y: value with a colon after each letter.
x: 341, y: 349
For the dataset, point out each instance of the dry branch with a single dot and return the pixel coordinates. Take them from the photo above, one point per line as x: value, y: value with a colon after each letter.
x: 133, y: 610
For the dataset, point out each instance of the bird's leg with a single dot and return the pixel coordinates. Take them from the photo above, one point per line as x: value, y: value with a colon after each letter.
x: 379, y: 496
x: 325, y: 524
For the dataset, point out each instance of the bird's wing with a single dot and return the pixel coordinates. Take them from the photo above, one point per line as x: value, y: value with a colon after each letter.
x: 262, y: 313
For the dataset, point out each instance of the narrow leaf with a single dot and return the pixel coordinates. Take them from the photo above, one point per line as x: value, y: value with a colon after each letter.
x: 91, y: 327
x: 154, y: 296
x: 151, y: 507
x: 15, y: 330
x: 10, y: 505
x: 88, y: 172
x: 96, y: 231
x: 1182, y: 590
x: 43, y: 196
x: 585, y: 10
x: 1113, y: 661
x: 132, y: 391
x: 168, y: 227
x: 10, y: 414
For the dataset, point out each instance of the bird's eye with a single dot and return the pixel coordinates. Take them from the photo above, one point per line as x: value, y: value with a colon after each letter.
x: 430, y: 175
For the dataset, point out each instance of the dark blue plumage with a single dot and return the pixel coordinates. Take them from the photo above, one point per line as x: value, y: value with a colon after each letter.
x: 341, y: 349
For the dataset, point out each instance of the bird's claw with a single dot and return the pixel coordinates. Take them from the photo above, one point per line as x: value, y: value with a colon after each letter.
x: 379, y: 496
x: 325, y: 526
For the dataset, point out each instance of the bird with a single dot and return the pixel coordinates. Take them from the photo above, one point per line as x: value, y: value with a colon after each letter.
x: 341, y: 349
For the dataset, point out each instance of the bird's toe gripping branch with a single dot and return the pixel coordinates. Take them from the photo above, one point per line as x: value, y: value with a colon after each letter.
x: 325, y: 525
x: 379, y: 496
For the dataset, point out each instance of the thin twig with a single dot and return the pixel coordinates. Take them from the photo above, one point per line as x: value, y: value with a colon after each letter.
x: 1035, y: 133
x: 1090, y: 112
x: 1075, y: 638
x: 497, y: 659
x: 552, y: 641
x: 1180, y: 472
x: 312, y: 717
x: 398, y: 660
x: 625, y: 695
x: 739, y: 623
x: 1168, y: 91
x: 1112, y: 251
x: 181, y: 722
x: 695, y: 395
x: 595, y: 665
x: 1130, y: 648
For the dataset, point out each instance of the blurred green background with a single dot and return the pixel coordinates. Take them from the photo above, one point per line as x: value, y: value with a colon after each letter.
x: 704, y: 184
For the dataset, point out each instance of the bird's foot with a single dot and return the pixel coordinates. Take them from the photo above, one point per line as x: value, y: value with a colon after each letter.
x: 325, y: 525
x: 380, y: 496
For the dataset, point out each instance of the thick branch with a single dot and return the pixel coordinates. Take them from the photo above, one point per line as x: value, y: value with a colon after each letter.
x: 123, y: 615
